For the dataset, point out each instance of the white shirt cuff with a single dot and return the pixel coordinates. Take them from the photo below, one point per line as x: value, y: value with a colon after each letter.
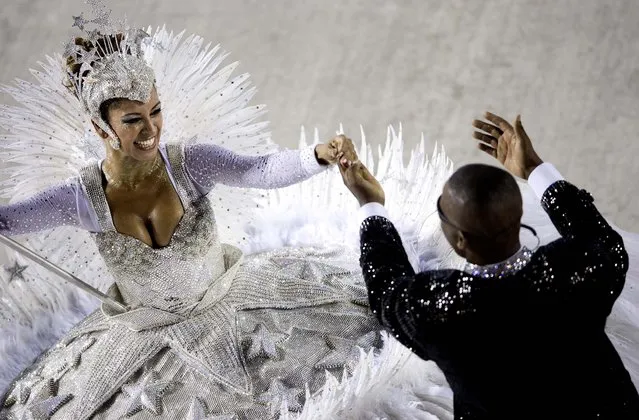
x: 543, y: 177
x: 372, y: 209
x: 310, y: 165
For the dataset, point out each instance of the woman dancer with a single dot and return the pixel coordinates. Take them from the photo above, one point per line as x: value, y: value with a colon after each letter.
x: 206, y: 331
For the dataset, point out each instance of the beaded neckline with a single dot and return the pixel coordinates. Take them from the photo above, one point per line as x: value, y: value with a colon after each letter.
x: 503, y: 268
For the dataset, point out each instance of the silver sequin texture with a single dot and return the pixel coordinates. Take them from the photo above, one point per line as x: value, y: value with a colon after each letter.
x: 43, y: 403
x: 209, y: 164
x: 505, y: 268
x: 56, y: 206
x: 240, y: 335
x: 116, y: 76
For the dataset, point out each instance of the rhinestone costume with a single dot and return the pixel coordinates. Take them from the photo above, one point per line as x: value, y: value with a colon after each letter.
x: 521, y: 339
x: 210, y: 333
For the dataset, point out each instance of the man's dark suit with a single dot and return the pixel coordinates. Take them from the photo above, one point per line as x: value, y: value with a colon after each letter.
x: 529, y: 345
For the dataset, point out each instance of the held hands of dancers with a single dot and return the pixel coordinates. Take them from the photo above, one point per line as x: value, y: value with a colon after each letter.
x: 507, y: 143
x: 361, y: 183
x: 340, y: 146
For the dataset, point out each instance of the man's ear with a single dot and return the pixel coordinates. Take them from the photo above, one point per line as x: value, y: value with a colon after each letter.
x: 460, y: 241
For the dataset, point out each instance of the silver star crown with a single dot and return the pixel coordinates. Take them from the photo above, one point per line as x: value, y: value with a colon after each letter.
x: 115, y: 68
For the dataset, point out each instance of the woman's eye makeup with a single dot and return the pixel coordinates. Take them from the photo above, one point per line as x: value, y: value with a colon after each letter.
x: 135, y: 120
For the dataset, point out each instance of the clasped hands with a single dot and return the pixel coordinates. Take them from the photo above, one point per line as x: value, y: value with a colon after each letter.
x: 341, y: 151
x: 508, y: 143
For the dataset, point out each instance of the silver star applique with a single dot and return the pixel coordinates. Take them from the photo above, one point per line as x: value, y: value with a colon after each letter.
x: 93, y: 34
x: 70, y: 357
x: 279, y: 394
x: 208, y: 340
x: 309, y: 270
x: 70, y: 49
x: 42, y: 405
x: 79, y: 22
x: 345, y: 353
x: 22, y: 389
x: 198, y: 411
x: 357, y: 291
x: 85, y: 57
x: 262, y: 343
x: 101, y: 11
x: 16, y: 271
x: 147, y: 394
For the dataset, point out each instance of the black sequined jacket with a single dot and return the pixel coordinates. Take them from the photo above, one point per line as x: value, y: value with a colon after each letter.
x: 530, y: 344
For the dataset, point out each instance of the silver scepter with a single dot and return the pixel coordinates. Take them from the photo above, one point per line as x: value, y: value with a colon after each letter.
x: 26, y: 252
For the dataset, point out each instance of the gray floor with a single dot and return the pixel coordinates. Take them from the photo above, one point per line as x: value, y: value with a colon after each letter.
x: 570, y: 67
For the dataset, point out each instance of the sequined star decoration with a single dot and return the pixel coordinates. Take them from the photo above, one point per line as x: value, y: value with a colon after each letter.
x: 345, y: 353
x: 16, y: 271
x: 262, y: 343
x: 70, y: 357
x: 101, y: 12
x: 279, y: 395
x: 101, y: 19
x: 79, y: 22
x: 84, y: 57
x: 308, y: 269
x: 147, y: 394
x: 42, y: 405
x: 331, y: 275
x: 355, y: 288
x: 22, y: 389
x: 93, y: 34
x: 198, y: 411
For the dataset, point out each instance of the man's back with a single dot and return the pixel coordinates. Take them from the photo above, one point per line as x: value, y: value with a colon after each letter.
x: 518, y: 335
x: 552, y: 359
x: 526, y: 338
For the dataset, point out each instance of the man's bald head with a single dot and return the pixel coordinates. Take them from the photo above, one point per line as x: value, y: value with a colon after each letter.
x: 485, y: 204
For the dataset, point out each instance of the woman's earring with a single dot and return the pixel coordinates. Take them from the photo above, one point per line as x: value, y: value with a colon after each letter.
x: 105, y: 131
x: 115, y: 143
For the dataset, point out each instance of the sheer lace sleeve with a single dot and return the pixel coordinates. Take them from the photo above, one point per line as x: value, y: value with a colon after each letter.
x: 64, y: 204
x: 209, y: 164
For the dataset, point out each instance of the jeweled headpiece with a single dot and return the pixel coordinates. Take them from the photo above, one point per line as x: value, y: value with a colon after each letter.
x: 113, y: 66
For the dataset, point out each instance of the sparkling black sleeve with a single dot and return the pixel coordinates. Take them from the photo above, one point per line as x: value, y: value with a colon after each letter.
x: 586, y: 237
x: 574, y: 214
x: 585, y: 269
x: 410, y: 305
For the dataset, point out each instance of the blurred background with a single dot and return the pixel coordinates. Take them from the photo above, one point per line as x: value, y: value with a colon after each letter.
x: 570, y: 67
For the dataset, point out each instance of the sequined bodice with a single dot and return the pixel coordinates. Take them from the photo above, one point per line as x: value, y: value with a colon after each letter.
x: 173, y: 278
